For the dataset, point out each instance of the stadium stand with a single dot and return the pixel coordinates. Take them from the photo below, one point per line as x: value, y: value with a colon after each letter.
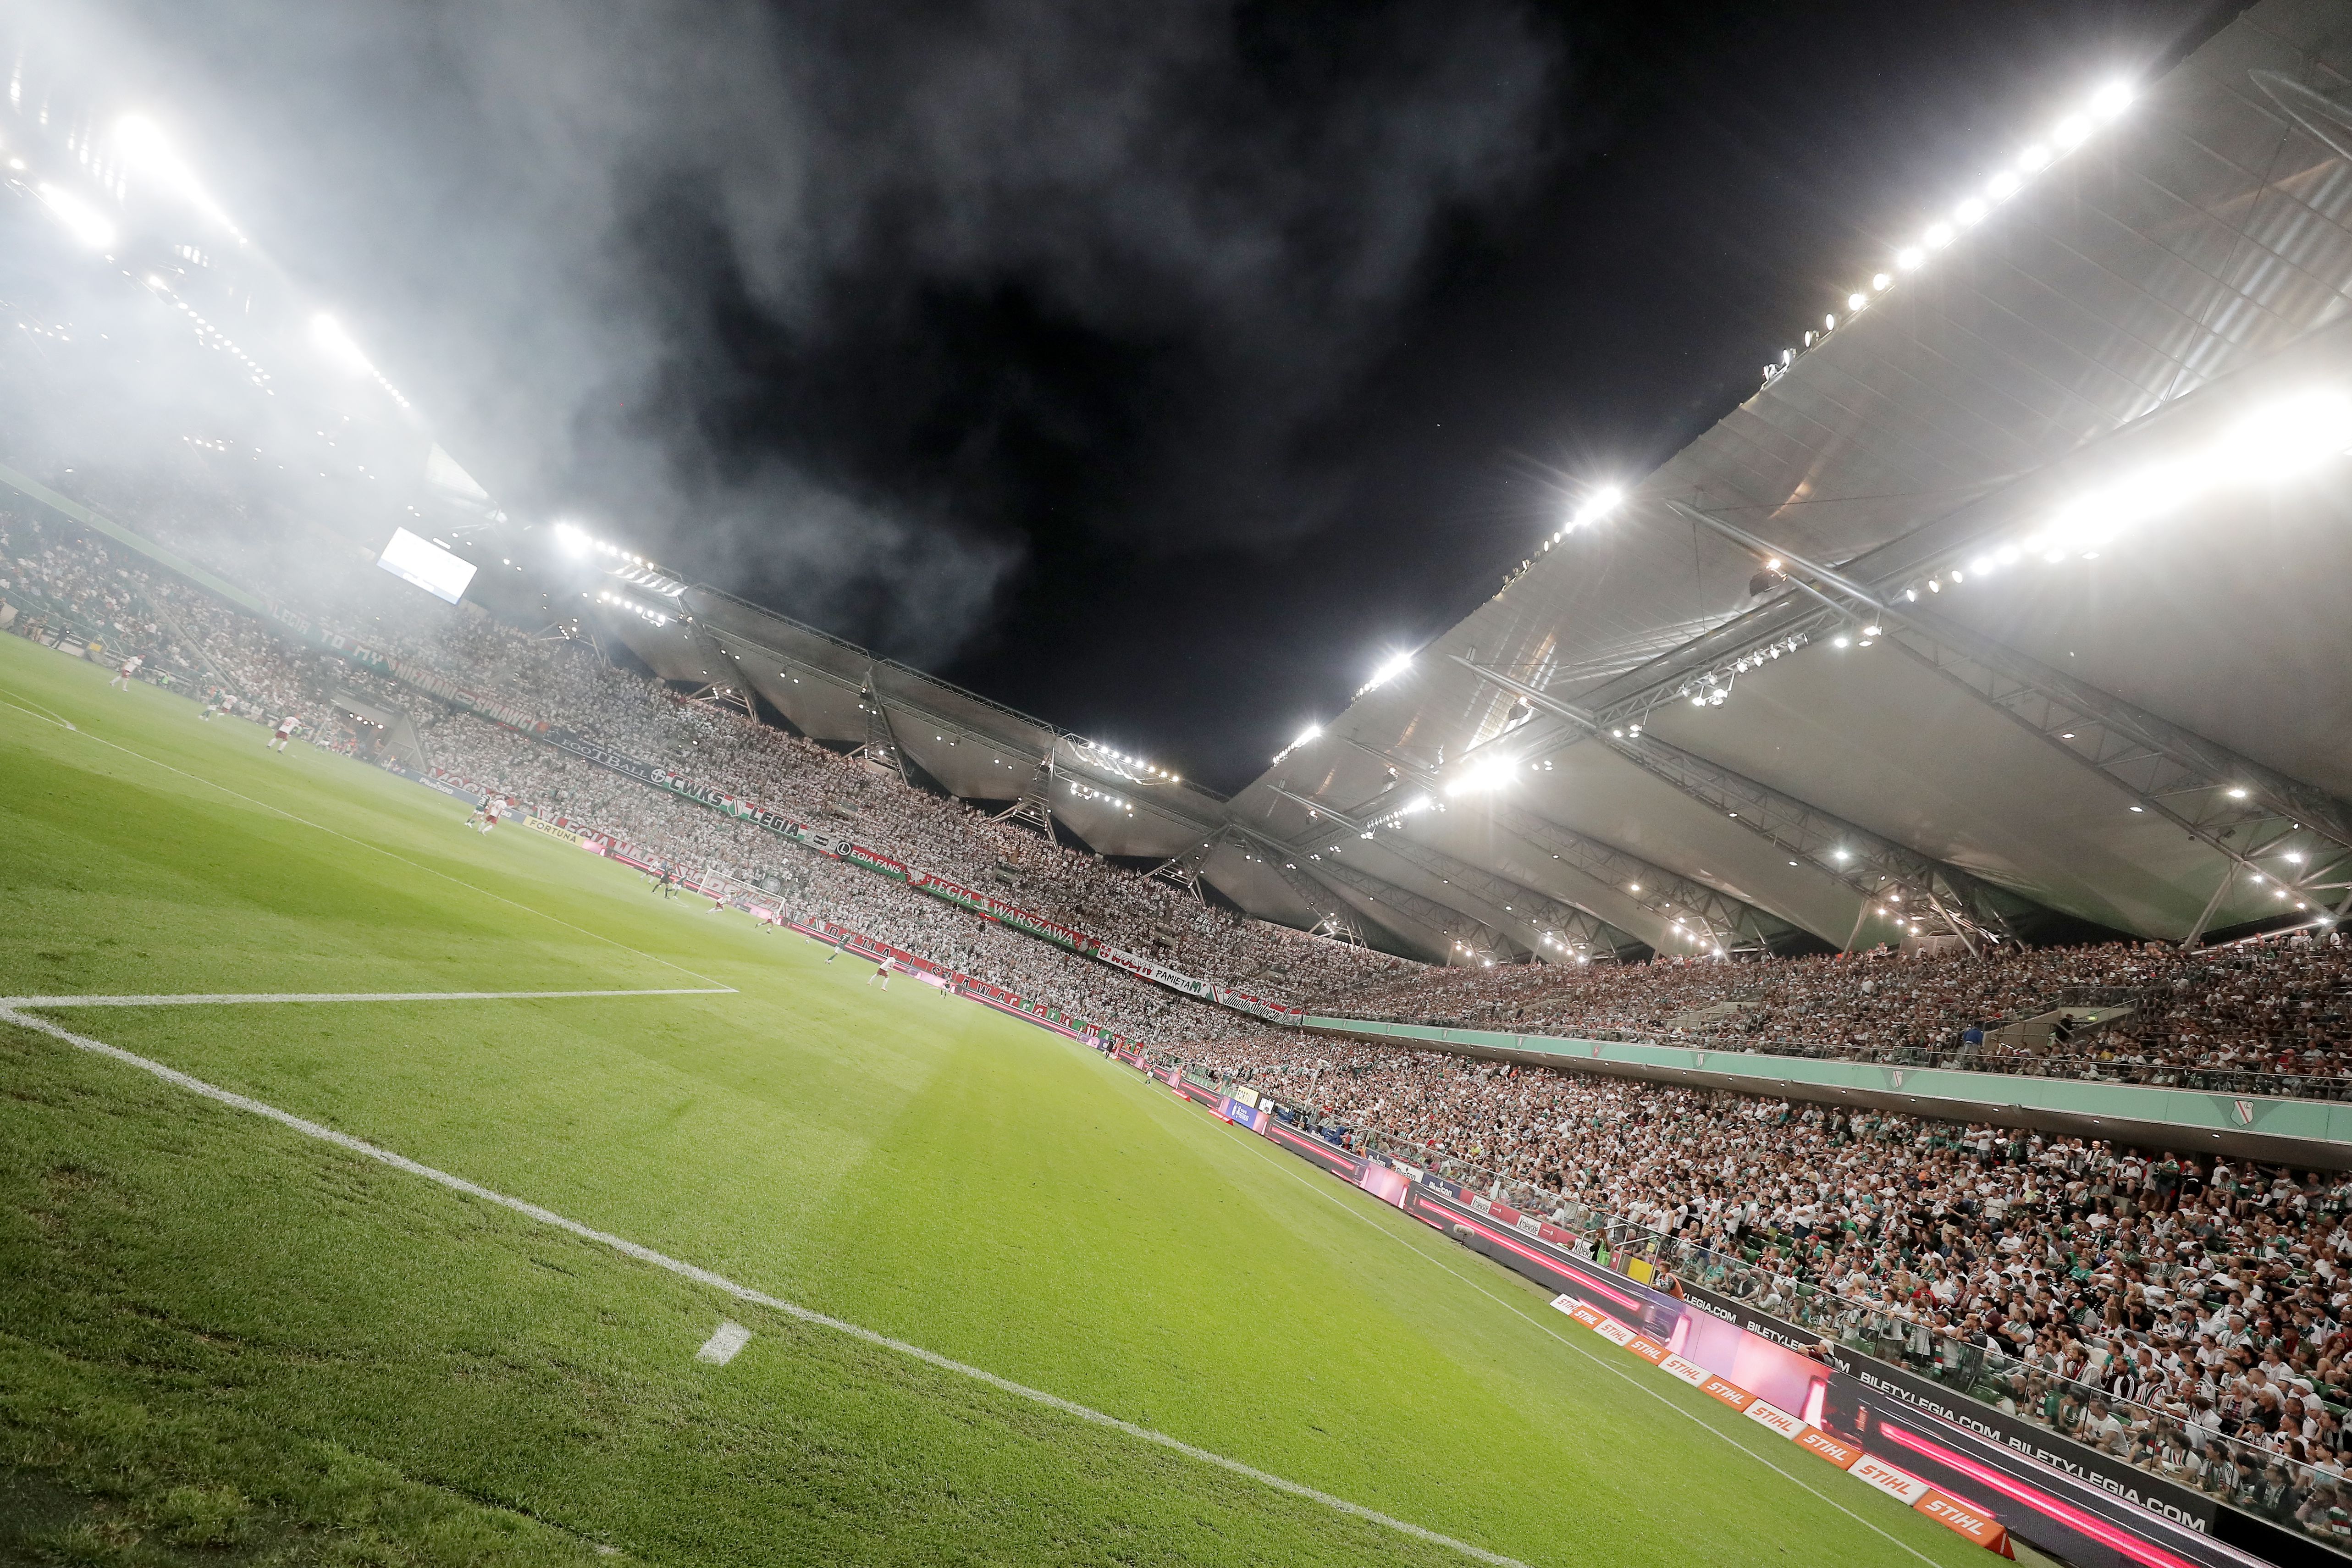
x: 2272, y: 1010
x: 2190, y: 1318
x: 2186, y: 1317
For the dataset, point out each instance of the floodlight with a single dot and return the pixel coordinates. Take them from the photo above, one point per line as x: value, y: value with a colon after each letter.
x: 1829, y: 323
x: 1909, y: 259
x: 1855, y: 301
x: 1880, y: 280
x: 81, y: 220
x: 2111, y: 100
x: 2070, y: 132
x: 1841, y: 642
x: 1390, y: 667
x: 1971, y: 211
x: 1312, y: 731
x: 328, y: 336
x: 2288, y: 436
x: 1937, y: 235
x: 2003, y: 186
x: 1479, y: 777
x: 2035, y: 158
x: 148, y: 150
x: 1599, y: 504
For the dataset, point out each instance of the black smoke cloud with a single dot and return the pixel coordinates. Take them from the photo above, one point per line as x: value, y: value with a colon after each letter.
x: 868, y: 311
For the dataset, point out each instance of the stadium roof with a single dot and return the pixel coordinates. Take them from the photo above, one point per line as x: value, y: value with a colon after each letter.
x: 2019, y: 589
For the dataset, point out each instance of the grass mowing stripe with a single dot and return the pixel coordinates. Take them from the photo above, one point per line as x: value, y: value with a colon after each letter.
x: 232, y: 999
x: 1284, y: 1163
x: 377, y: 848
x: 719, y: 1282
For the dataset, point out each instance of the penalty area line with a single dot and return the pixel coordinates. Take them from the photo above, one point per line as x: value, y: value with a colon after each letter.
x: 234, y: 998
x: 700, y: 1276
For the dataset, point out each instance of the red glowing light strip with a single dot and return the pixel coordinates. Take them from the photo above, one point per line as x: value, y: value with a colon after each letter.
x: 1551, y: 1263
x: 1308, y: 1144
x: 1554, y: 1264
x: 1591, y: 1283
x: 2098, y: 1529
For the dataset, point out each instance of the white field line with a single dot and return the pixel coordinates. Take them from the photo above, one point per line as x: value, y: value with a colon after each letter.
x: 1284, y: 1165
x: 744, y: 1293
x: 720, y: 1348
x: 230, y: 998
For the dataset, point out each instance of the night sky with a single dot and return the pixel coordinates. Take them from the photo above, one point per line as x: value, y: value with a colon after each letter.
x: 1155, y: 369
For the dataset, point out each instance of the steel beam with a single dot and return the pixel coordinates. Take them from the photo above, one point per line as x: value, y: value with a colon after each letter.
x: 1883, y: 873
x: 2235, y: 806
x: 1507, y: 901
x: 1182, y: 869
x: 1667, y: 894
x: 1292, y: 863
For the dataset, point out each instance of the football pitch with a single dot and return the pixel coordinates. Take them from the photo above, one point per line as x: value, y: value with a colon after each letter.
x: 226, y: 1338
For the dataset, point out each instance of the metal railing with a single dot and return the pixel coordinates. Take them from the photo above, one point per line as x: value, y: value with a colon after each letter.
x: 1989, y: 1057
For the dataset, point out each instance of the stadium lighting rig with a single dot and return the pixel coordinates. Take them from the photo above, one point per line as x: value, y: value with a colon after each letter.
x: 2283, y: 442
x: 627, y: 565
x: 1481, y: 777
x: 2038, y: 156
x: 1087, y: 792
x: 91, y: 227
x: 1396, y: 664
x: 333, y: 341
x: 147, y: 150
x: 622, y: 601
x: 1134, y: 768
x: 1311, y: 733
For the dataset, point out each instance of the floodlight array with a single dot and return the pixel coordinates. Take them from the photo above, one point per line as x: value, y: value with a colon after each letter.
x: 1087, y: 792
x: 1389, y: 669
x: 622, y: 602
x: 1312, y: 732
x: 1135, y: 767
x: 2034, y: 159
x: 2285, y: 441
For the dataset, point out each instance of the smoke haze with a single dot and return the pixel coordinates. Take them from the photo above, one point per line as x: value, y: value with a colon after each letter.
x: 854, y: 308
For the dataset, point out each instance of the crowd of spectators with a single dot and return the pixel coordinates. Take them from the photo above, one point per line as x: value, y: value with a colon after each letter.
x: 2146, y: 1011
x: 2193, y: 1317
x: 2188, y: 1316
x: 69, y: 588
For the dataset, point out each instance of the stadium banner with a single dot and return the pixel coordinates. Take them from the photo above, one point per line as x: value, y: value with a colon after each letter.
x: 435, y: 781
x: 1240, y: 1115
x: 541, y: 824
x: 1243, y: 1002
x: 997, y: 908
x: 1870, y: 1391
x: 1157, y: 974
x: 1384, y: 1183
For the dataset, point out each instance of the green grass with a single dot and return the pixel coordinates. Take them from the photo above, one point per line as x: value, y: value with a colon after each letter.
x: 220, y: 1341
